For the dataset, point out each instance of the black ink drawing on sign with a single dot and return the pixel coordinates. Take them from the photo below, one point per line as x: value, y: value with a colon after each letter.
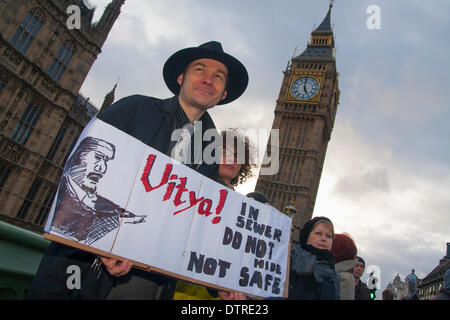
x: 81, y: 213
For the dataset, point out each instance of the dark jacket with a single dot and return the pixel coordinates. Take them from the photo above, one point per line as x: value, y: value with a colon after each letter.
x: 151, y: 121
x: 311, y: 278
x: 444, y: 294
x: 362, y: 291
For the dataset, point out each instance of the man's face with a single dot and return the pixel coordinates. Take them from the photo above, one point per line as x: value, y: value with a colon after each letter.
x: 92, y: 167
x: 358, y: 270
x: 203, y: 83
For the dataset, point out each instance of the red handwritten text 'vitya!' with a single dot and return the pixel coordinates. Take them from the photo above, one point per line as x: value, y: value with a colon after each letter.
x: 174, y: 182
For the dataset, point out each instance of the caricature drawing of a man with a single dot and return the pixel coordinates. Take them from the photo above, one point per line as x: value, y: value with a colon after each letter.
x: 80, y: 212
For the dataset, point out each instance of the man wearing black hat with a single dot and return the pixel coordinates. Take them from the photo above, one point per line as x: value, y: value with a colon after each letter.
x: 200, y: 78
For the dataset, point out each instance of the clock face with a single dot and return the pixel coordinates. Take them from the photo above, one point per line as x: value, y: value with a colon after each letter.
x: 304, y: 88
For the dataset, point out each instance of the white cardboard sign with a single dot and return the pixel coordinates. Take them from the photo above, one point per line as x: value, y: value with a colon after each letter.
x: 123, y: 198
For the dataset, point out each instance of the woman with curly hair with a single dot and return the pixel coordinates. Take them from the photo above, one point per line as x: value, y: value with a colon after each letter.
x: 235, y: 165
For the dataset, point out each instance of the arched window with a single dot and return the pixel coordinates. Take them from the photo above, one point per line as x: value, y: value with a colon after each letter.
x: 27, y: 203
x: 27, y: 123
x: 61, y: 61
x: 3, y: 82
x: 49, y: 195
x: 57, y: 142
x: 5, y: 170
x: 27, y: 30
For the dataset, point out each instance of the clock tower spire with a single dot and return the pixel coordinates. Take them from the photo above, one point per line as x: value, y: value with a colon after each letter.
x: 304, y: 115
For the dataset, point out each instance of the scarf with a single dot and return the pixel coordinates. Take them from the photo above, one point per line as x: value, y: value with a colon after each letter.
x: 321, y: 254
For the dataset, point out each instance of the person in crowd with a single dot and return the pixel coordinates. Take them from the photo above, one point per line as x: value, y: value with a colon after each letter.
x: 312, y: 268
x: 200, y: 78
x: 387, y: 294
x: 258, y: 196
x: 361, y: 289
x: 232, y: 173
x: 412, y: 281
x: 444, y: 292
x: 235, y: 168
x: 344, y: 253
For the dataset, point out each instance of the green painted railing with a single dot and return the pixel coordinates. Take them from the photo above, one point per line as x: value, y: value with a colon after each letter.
x: 21, y: 252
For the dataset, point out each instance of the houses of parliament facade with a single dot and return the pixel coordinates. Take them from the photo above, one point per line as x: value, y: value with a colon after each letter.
x: 43, y: 65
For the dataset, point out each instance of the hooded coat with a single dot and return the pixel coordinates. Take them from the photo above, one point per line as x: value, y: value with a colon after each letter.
x: 347, y: 280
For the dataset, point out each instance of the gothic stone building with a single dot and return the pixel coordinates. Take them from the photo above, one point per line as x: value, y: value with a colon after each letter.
x: 43, y: 64
x: 304, y: 114
x: 430, y: 285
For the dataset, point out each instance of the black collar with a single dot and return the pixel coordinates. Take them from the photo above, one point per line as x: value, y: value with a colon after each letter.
x: 169, y: 105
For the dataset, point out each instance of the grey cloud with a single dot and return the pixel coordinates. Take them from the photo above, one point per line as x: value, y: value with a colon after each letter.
x: 399, y: 254
x: 360, y: 184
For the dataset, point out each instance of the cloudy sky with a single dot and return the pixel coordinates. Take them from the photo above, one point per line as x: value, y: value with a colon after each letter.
x: 386, y: 178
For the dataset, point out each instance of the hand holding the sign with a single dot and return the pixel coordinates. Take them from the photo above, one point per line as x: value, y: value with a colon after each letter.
x: 225, y: 295
x: 117, y: 268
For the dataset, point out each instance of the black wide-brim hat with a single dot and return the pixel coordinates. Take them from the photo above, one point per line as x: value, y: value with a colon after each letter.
x: 177, y: 63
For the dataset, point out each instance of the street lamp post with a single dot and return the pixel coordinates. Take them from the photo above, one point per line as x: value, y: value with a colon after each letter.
x: 290, y: 211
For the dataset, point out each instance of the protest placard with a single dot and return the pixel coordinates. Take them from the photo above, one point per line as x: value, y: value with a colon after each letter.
x: 121, y: 198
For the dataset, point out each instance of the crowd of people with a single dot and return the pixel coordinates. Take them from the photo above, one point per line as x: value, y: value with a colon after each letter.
x: 324, y: 266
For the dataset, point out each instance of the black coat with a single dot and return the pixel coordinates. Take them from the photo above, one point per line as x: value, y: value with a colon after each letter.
x: 306, y: 287
x: 312, y: 278
x: 362, y: 291
x: 151, y: 121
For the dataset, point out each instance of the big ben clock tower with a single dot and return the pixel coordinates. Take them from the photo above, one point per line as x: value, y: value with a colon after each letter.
x: 304, y: 115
